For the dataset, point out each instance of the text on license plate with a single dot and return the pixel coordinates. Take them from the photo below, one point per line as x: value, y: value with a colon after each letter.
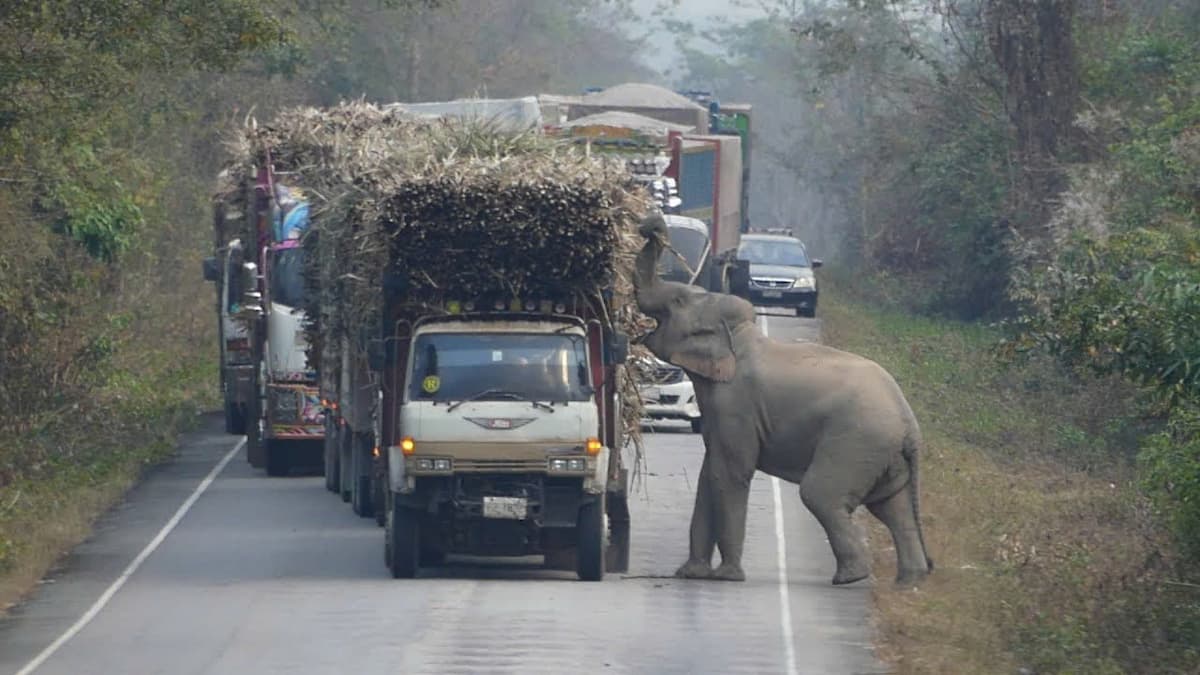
x: 772, y: 294
x: 512, y: 508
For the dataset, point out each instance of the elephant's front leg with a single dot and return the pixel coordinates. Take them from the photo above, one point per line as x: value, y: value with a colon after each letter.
x: 702, y: 537
x: 720, y: 513
x: 731, y: 488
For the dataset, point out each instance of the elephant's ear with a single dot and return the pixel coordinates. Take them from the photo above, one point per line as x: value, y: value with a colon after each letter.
x: 708, y: 355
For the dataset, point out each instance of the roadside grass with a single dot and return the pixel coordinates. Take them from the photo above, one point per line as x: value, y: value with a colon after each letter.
x: 79, y: 463
x: 1047, y: 557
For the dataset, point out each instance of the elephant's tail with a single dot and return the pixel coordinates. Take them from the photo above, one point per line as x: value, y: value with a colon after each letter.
x: 911, y: 450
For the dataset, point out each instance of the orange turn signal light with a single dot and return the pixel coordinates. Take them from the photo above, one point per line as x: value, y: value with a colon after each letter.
x: 375, y: 452
x: 594, y: 446
x: 407, y: 446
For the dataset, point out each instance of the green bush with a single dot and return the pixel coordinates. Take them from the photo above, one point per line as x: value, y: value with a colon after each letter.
x: 1170, y: 474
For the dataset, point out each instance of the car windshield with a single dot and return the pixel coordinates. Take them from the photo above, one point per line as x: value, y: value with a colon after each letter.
x: 287, y: 277
x: 690, y: 244
x: 764, y: 252
x: 499, y: 366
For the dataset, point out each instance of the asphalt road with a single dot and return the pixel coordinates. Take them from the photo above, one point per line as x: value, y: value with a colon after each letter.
x: 258, y: 575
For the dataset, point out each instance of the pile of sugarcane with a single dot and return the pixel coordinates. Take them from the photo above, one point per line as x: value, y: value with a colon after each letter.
x: 448, y: 209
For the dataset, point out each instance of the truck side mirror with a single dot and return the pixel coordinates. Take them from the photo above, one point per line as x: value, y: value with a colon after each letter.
x: 817, y: 262
x: 211, y: 272
x: 618, y: 349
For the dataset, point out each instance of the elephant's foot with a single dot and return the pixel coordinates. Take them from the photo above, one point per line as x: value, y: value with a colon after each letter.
x: 850, y: 573
x: 694, y: 569
x: 729, y: 572
x: 911, y: 577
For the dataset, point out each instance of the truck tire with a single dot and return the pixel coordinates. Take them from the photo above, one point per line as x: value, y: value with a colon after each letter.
x: 697, y: 425
x: 345, y: 447
x: 235, y: 419
x: 332, y: 478
x: 360, y: 499
x: 255, y: 443
x: 403, y: 541
x: 278, y: 457
x: 589, y: 541
x: 377, y: 496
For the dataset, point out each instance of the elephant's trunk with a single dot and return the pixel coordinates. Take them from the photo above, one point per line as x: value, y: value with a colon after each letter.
x: 651, y: 294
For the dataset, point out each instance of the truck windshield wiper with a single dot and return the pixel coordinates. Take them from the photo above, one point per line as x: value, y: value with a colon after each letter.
x: 503, y: 393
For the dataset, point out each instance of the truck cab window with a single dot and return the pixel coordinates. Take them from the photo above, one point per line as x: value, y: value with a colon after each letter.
x: 535, y: 366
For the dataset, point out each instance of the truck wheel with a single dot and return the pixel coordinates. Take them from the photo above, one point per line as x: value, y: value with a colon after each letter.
x: 806, y: 313
x: 589, y: 541
x: 697, y: 425
x: 277, y: 458
x: 360, y: 500
x: 332, y: 479
x: 345, y: 463
x: 403, y: 545
x: 235, y: 419
x: 377, y: 497
x: 255, y: 450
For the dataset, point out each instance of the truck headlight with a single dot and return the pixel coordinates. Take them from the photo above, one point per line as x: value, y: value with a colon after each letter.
x: 431, y: 464
x: 568, y: 465
x: 804, y: 282
x: 286, y: 405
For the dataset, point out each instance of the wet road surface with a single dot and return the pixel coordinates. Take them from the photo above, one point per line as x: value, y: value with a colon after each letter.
x: 262, y: 575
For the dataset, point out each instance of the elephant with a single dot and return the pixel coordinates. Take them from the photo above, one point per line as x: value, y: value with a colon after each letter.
x: 833, y: 422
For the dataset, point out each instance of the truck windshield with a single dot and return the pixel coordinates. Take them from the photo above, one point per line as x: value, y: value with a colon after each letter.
x: 536, y: 367
x: 287, y: 277
x: 690, y: 244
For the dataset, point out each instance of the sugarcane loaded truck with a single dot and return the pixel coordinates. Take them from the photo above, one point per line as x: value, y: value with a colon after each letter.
x: 349, y: 390
x: 237, y: 366
x: 271, y: 393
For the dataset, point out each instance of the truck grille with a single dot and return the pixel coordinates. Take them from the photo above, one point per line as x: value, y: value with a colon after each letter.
x: 668, y: 399
x: 500, y: 465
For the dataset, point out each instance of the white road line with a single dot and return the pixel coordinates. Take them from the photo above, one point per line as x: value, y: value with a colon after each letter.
x: 785, y: 601
x: 133, y: 566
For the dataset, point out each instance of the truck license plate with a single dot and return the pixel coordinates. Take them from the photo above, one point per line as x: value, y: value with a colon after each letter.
x: 512, y: 508
x: 772, y: 294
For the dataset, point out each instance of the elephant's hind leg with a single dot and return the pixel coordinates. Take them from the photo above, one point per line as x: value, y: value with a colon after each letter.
x: 896, y: 512
x: 828, y: 496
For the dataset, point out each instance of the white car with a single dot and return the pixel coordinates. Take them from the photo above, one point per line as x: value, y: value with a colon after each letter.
x: 667, y: 393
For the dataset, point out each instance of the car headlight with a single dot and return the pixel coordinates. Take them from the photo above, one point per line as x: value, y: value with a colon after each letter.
x: 804, y: 282
x: 286, y: 405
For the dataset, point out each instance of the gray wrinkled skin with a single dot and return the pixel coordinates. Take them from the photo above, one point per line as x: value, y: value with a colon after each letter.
x: 834, y: 423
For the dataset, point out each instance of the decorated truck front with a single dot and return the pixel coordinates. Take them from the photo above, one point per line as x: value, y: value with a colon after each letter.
x: 287, y: 418
x: 508, y: 441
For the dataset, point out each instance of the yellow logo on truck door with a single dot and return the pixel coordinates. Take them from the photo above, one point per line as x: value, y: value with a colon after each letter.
x: 431, y: 384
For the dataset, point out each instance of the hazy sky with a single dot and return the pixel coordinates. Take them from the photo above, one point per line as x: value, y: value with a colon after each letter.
x: 661, y: 51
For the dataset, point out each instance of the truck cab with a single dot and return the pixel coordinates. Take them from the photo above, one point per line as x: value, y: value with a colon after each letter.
x: 236, y: 355
x: 501, y: 450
